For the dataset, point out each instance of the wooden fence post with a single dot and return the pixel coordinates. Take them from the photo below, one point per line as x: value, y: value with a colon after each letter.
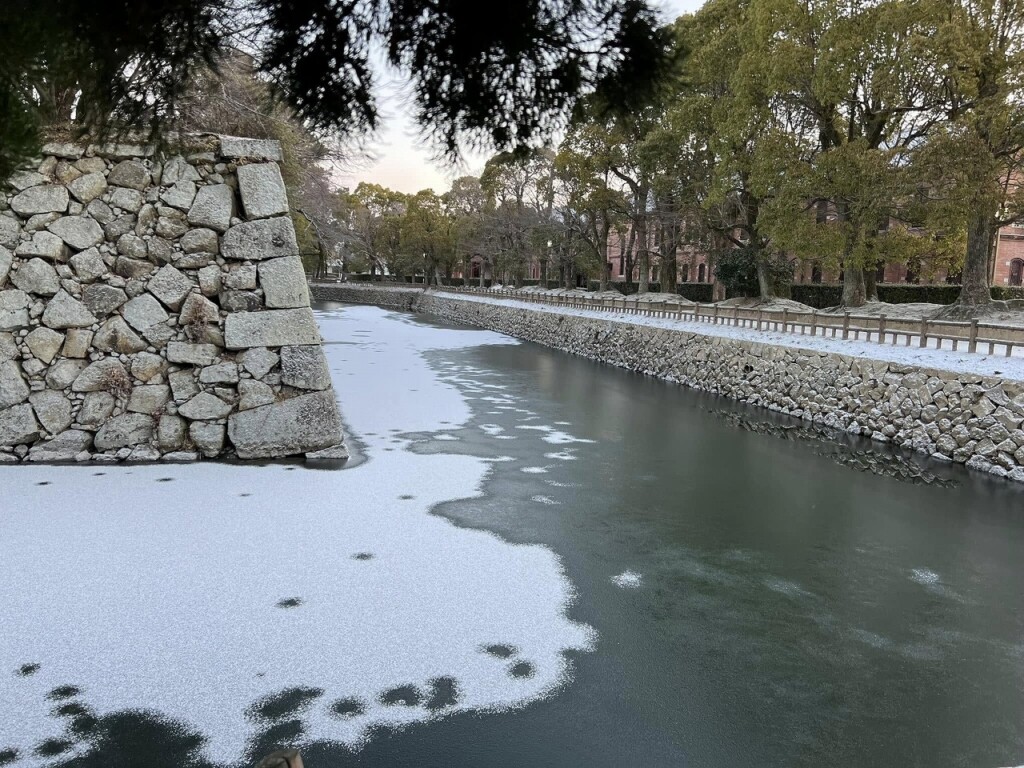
x: 814, y: 322
x: 972, y: 342
x: 846, y: 325
x: 785, y: 319
x: 924, y: 333
x: 881, y: 328
x: 759, y: 314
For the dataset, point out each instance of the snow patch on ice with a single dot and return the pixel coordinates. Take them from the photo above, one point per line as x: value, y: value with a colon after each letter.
x: 541, y: 499
x: 561, y: 455
x: 198, y: 597
x: 628, y: 580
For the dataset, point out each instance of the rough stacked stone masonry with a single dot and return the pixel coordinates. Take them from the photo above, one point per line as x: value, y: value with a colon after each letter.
x: 156, y: 307
x: 973, y: 420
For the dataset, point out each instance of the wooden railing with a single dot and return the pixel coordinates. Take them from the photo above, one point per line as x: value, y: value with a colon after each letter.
x: 937, y: 334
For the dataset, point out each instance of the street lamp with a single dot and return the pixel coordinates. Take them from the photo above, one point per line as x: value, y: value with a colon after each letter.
x: 544, y: 265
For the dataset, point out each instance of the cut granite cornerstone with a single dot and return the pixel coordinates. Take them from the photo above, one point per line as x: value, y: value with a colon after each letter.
x: 155, y: 307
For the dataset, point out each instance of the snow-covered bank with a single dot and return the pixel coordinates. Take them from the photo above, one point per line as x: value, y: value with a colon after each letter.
x: 131, y: 585
x: 942, y: 359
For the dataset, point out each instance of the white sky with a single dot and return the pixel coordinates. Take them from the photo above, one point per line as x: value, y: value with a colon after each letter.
x: 402, y: 160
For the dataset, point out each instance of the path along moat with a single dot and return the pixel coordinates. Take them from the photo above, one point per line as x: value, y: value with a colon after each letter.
x: 535, y: 560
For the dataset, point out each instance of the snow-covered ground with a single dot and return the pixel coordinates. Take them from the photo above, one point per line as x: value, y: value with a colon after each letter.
x: 943, y: 359
x: 196, y: 591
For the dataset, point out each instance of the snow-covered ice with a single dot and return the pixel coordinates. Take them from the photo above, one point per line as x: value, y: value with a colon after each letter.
x: 195, y: 591
x: 627, y: 580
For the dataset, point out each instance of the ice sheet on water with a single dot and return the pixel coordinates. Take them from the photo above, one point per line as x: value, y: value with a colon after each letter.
x: 534, y: 470
x: 196, y: 591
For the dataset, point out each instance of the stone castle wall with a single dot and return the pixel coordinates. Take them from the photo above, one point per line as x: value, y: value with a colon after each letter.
x: 156, y: 307
x: 958, y: 417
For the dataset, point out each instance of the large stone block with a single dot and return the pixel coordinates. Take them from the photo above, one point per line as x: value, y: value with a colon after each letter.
x: 126, y: 430
x: 67, y: 446
x: 191, y: 354
x: 115, y: 336
x: 52, y: 409
x: 144, y: 311
x: 180, y: 196
x: 96, y: 408
x: 129, y: 173
x: 205, y: 406
x: 44, y: 344
x: 273, y: 328
x: 213, y: 207
x: 8, y: 348
x: 10, y: 231
x: 89, y: 265
x: 45, y: 245
x: 102, y: 299
x: 104, y: 375
x: 6, y: 260
x: 13, y: 388
x: 262, y: 190
x: 77, y: 231
x: 18, y: 425
x: 170, y: 286
x: 88, y: 187
x: 177, y: 169
x: 38, y: 277
x: 299, y: 425
x: 65, y: 311
x: 149, y: 398
x: 236, y: 147
x: 48, y: 198
x: 208, y: 438
x: 284, y: 283
x: 305, y: 367
x: 260, y: 240
x: 63, y: 372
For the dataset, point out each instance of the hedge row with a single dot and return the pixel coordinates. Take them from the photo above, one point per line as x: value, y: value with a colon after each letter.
x: 822, y: 295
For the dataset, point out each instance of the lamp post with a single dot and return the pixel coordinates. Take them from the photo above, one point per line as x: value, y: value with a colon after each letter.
x: 544, y: 265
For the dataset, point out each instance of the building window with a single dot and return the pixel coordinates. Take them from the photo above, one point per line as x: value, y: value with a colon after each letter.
x: 1016, y: 271
x: 685, y: 273
x: 880, y: 274
x: 701, y: 272
x: 816, y: 274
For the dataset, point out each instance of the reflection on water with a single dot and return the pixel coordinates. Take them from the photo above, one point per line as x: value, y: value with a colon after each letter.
x: 838, y: 446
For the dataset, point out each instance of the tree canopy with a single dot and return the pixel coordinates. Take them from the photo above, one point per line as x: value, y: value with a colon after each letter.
x: 507, y: 74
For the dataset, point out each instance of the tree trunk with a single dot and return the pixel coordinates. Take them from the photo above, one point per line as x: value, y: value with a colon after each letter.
x: 643, y: 258
x: 602, y: 277
x: 871, y: 283
x: 627, y: 258
x: 976, y: 291
x: 854, y: 287
x: 764, y: 277
x: 669, y: 267
x: 483, y: 270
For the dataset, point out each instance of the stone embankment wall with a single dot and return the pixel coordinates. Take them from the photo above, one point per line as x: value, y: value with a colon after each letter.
x: 958, y: 417
x: 156, y: 307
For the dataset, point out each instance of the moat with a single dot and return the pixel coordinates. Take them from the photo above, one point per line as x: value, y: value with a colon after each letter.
x: 532, y: 559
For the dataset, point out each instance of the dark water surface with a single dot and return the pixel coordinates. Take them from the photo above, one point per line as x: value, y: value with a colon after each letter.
x: 793, y: 609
